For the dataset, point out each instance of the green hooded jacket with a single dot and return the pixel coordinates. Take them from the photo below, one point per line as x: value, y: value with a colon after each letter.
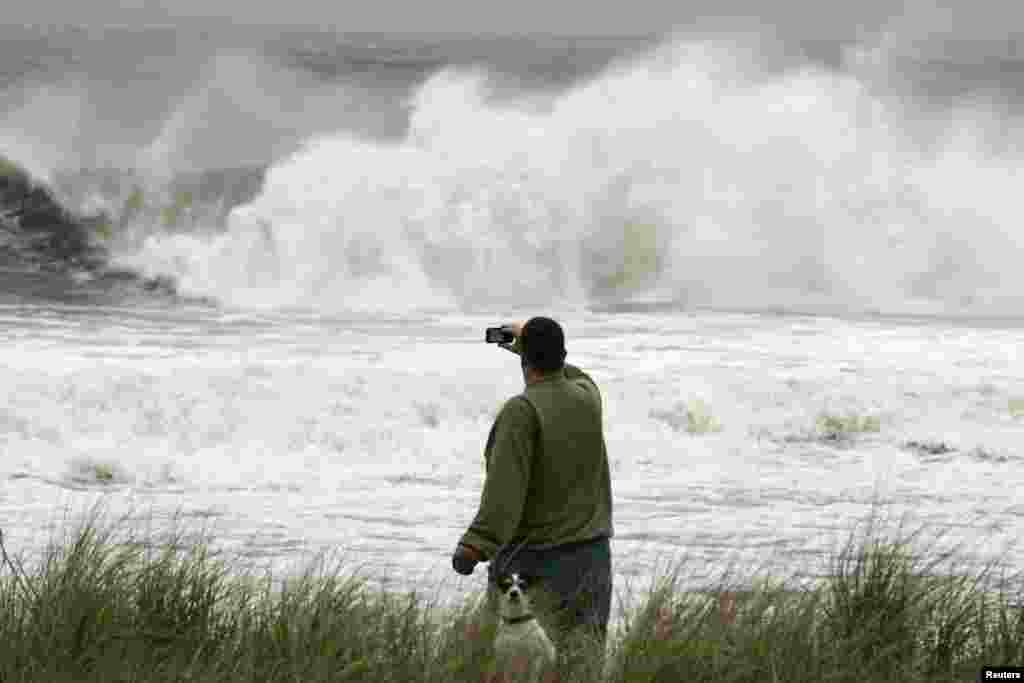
x: 548, y: 482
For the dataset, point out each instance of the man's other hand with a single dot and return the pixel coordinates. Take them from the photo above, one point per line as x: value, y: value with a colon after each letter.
x: 465, y: 558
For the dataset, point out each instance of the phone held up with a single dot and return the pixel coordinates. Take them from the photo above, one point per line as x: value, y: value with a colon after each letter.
x: 499, y: 335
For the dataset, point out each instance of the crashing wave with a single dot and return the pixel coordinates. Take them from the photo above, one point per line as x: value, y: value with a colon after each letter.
x: 72, y: 226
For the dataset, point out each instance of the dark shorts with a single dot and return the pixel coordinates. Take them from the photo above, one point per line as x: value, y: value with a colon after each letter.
x: 577, y: 577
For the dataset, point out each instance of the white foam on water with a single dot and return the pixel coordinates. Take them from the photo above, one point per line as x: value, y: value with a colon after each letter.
x: 290, y: 433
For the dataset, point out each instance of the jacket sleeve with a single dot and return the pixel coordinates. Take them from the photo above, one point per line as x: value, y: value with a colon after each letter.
x: 509, y: 455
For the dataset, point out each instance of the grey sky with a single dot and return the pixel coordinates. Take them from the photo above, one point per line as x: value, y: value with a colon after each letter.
x: 824, y: 19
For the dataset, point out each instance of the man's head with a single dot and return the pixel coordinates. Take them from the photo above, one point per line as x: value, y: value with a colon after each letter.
x: 543, y: 347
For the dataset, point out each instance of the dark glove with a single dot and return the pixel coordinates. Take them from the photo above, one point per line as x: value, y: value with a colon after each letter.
x: 465, y: 558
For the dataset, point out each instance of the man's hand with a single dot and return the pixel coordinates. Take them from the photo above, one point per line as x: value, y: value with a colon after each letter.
x: 516, y: 329
x: 465, y: 558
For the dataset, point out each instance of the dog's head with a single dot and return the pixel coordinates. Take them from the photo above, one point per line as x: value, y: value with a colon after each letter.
x: 513, y: 585
x: 512, y: 588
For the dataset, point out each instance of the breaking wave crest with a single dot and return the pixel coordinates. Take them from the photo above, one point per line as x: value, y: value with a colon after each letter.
x: 687, y: 174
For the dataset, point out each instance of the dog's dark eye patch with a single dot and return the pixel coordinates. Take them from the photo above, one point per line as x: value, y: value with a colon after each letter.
x: 504, y: 583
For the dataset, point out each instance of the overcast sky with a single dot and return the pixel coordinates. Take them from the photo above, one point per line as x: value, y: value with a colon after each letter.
x: 823, y: 19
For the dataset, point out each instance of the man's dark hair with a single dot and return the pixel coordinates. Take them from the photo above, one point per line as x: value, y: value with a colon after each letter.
x: 543, y: 344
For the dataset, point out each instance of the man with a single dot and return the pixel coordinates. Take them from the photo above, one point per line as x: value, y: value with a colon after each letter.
x: 546, y: 506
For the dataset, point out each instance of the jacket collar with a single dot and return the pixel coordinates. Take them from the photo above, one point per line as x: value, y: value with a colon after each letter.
x: 552, y: 377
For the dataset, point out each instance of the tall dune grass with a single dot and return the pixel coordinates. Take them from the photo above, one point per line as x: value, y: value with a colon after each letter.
x: 103, y: 605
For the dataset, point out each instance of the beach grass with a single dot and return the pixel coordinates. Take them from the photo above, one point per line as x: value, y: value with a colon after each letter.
x: 102, y: 604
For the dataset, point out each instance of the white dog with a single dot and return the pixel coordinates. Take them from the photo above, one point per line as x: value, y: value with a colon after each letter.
x: 523, y: 653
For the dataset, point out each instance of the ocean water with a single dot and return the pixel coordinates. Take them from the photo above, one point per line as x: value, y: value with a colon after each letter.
x: 288, y: 434
x: 747, y: 242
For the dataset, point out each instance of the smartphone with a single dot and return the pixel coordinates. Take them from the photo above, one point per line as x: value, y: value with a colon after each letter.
x: 499, y: 335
